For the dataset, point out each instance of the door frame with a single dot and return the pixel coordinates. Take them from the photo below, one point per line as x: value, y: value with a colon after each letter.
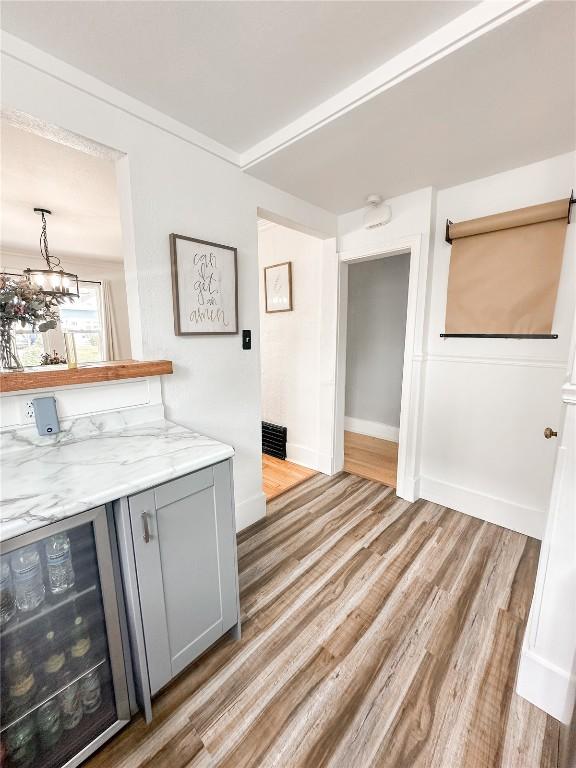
x: 412, y: 388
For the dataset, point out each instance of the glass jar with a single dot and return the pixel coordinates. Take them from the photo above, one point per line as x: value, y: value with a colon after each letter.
x: 49, y: 723
x: 71, y: 704
x: 91, y: 692
x: 21, y: 743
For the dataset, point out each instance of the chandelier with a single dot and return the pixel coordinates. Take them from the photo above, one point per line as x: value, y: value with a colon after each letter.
x: 51, y: 281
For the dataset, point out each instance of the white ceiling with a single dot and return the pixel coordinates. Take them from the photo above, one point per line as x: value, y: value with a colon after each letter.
x: 236, y: 71
x: 504, y: 100
x: 304, y: 95
x: 79, y: 189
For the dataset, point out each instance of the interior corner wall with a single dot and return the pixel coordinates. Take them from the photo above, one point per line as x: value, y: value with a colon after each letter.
x: 167, y: 184
x: 487, y: 401
x: 290, y: 341
x: 377, y: 303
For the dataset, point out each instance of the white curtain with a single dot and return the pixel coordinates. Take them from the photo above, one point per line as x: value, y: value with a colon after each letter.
x: 110, y: 329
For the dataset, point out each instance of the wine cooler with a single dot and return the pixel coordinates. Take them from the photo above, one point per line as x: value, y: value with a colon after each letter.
x: 63, y: 675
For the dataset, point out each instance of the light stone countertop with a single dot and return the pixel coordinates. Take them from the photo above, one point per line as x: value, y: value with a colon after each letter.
x: 93, y: 460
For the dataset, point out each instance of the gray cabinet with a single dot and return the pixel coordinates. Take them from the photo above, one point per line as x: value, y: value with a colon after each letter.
x: 183, y: 563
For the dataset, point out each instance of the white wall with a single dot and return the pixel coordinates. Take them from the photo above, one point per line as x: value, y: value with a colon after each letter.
x: 377, y: 303
x: 488, y: 401
x: 167, y: 184
x: 411, y: 215
x: 290, y: 342
x: 89, y: 269
x: 79, y: 400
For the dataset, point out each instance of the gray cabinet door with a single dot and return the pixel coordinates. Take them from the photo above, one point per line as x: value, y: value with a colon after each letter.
x: 185, y: 551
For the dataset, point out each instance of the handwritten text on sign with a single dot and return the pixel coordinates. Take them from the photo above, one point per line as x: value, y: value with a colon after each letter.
x: 207, y: 288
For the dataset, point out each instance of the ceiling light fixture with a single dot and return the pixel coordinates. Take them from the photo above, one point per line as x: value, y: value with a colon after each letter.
x: 376, y: 213
x: 51, y: 281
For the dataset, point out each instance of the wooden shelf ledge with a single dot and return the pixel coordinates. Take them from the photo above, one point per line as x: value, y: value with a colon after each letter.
x: 61, y: 376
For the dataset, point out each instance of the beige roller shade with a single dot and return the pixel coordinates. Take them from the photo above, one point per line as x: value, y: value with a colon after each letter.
x: 504, y: 271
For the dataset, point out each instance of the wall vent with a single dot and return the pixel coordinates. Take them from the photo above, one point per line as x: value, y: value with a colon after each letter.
x: 274, y: 440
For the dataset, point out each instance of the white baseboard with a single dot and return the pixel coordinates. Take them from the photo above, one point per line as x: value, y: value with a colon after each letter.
x: 546, y: 686
x: 516, y: 517
x: 371, y: 428
x: 409, y: 489
x: 300, y: 454
x: 325, y: 464
x: 309, y: 458
x: 250, y: 511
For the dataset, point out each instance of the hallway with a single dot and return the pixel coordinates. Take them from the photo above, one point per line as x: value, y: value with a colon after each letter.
x: 278, y: 475
x: 371, y: 458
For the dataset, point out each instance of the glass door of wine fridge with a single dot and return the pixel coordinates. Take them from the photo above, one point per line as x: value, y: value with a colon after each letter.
x: 63, y: 676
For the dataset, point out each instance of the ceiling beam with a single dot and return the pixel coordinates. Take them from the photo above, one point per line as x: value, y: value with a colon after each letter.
x: 479, y: 20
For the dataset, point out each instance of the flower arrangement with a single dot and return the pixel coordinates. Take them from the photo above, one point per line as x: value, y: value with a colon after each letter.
x: 24, y: 303
x: 52, y: 359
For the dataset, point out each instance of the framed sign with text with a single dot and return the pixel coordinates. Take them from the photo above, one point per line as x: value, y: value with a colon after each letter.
x: 204, y: 286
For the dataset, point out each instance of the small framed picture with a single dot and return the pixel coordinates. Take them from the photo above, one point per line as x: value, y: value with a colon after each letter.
x: 204, y: 286
x: 278, y: 287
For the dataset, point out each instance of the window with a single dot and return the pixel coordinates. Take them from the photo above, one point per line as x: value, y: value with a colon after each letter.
x: 83, y: 318
x: 30, y: 345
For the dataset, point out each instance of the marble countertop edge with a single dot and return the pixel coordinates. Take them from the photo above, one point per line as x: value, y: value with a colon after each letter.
x: 15, y: 527
x: 54, y: 482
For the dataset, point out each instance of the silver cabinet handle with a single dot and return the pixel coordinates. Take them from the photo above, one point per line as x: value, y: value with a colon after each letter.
x: 145, y: 527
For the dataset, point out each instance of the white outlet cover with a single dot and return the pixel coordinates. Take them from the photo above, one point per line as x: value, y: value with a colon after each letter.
x: 27, y: 409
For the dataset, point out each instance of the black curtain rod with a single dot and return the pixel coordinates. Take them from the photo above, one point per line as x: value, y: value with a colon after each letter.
x: 448, y: 239
x: 499, y: 335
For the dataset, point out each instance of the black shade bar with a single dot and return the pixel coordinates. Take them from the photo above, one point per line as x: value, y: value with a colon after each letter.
x: 571, y: 202
x: 499, y: 335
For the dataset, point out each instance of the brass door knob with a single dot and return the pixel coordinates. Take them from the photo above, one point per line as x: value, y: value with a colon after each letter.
x: 549, y: 432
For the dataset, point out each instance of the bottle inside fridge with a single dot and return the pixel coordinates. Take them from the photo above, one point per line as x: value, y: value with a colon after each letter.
x: 56, y: 674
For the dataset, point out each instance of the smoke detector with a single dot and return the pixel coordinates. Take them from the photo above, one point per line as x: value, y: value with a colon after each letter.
x: 376, y: 213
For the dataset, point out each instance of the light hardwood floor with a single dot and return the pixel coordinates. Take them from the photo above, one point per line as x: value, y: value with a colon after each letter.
x: 279, y: 475
x: 371, y: 457
x: 375, y: 633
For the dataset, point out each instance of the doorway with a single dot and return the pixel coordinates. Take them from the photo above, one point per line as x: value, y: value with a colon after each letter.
x: 290, y: 264
x: 375, y: 339
x: 407, y: 476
